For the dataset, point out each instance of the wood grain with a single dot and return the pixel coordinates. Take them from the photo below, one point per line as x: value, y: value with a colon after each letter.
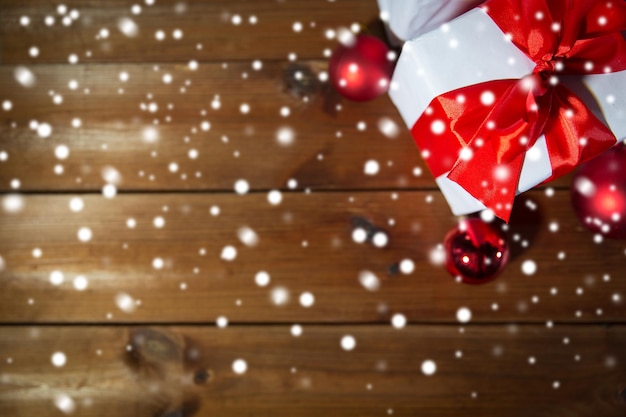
x: 321, y: 148
x: 316, y: 145
x: 142, y: 371
x: 206, y: 23
x: 306, y: 245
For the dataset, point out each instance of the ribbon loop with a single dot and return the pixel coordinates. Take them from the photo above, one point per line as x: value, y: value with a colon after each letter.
x: 497, y: 122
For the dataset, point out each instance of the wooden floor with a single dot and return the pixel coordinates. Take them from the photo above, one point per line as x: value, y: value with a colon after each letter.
x: 176, y: 235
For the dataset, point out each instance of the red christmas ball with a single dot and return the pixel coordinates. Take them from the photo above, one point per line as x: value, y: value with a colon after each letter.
x: 475, y: 251
x: 360, y: 69
x: 598, y: 193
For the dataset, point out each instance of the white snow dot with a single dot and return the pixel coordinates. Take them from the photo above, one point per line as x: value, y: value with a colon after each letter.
x: 348, y: 342
x: 380, y: 239
x: 529, y: 267
x: 62, y: 151
x: 128, y: 27
x: 229, y: 253
x: 7, y: 105
x: 64, y: 403
x: 371, y: 167
x: 487, y: 98
x: 76, y: 204
x: 388, y: 127
x: 109, y: 191
x: 369, y: 280
x: 285, y: 136
x: 221, y: 322
x: 407, y: 266
x: 296, y: 330
x: 24, y: 76
x: 158, y: 222
x: 157, y: 263
x: 167, y: 78
x: 44, y: 130
x: 262, y: 278
x: 56, y: 277
x: 58, y: 359
x: 307, y: 299
x: 429, y: 367
x: 466, y: 154
x: 242, y: 186
x: 81, y: 283
x: 463, y: 315
x: 359, y: 235
x: 240, y: 366
x: 292, y: 183
x: 104, y: 33
x: 279, y: 296
x: 125, y: 302
x: 437, y: 127
x: 84, y: 234
x: 585, y: 186
x: 398, y: 321
x: 248, y: 236
x: 274, y: 197
x: 13, y: 203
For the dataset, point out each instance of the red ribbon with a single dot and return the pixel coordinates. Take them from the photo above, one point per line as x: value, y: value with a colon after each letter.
x: 481, y: 133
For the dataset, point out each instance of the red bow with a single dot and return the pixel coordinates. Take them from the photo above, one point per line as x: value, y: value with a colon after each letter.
x: 488, y: 127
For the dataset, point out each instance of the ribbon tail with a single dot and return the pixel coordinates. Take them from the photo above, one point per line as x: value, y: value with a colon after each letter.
x: 495, y: 187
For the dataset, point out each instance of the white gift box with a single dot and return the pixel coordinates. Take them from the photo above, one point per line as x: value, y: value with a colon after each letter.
x: 472, y: 49
x: 408, y: 19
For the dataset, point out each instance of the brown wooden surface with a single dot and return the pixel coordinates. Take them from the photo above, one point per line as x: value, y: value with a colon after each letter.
x: 167, y: 357
x: 132, y: 371
x: 119, y: 260
x: 206, y: 22
x: 317, y: 158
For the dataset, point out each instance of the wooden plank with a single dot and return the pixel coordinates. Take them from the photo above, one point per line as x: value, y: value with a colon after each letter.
x: 211, y: 24
x: 306, y: 245
x: 140, y: 371
x: 321, y: 148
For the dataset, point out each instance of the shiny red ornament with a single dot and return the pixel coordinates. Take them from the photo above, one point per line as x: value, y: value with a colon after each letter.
x: 361, y: 69
x: 598, y: 193
x: 475, y: 251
